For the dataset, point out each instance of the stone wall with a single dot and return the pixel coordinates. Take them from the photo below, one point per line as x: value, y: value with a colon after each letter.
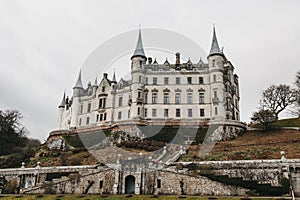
x: 200, y: 178
x: 175, y: 183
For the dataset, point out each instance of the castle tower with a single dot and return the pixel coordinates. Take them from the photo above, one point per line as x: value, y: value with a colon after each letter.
x: 138, y: 59
x: 216, y: 60
x: 61, y: 110
x: 77, y: 92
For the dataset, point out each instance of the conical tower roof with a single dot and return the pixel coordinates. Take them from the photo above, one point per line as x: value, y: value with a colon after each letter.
x: 63, y: 101
x: 78, y: 82
x: 215, y: 49
x: 114, y: 80
x: 96, y: 82
x: 139, y: 50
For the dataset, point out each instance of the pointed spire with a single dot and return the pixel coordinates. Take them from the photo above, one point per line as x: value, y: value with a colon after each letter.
x: 114, y: 78
x: 215, y: 49
x: 79, y: 82
x: 63, y: 101
x: 139, y: 50
x: 96, y: 82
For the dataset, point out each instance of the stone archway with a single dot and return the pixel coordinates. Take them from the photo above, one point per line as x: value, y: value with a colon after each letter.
x: 130, y: 184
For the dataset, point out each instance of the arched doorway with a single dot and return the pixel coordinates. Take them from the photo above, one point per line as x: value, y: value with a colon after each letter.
x: 130, y: 184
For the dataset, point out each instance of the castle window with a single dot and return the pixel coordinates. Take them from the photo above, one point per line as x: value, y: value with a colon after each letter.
x: 189, y: 98
x: 87, y: 121
x: 166, y: 80
x: 101, y: 184
x: 89, y: 107
x: 215, y: 78
x: 102, y: 102
x: 166, y: 112
x: 145, y: 112
x: 128, y: 114
x: 216, y: 110
x: 97, y: 118
x: 166, y: 98
x: 140, y: 79
x: 139, y: 94
x: 154, y: 112
x: 154, y: 98
x: 81, y: 109
x: 101, y: 117
x: 201, y: 80
x: 177, y: 80
x: 80, y: 122
x: 215, y: 94
x: 103, y: 89
x: 146, y: 98
x: 189, y: 80
x: 213, y: 63
x: 139, y: 111
x: 201, y: 98
x: 154, y: 80
x: 202, y: 114
x: 190, y: 112
x: 158, y: 183
x: 120, y: 101
x: 177, y: 112
x: 177, y: 98
x: 147, y: 81
x: 119, y: 115
x: 141, y: 63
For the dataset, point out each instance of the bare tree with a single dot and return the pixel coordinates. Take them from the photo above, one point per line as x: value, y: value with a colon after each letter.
x: 277, y: 98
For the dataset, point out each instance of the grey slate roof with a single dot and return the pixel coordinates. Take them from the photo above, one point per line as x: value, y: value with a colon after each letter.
x: 114, y: 78
x: 139, y: 50
x: 215, y: 49
x: 79, y: 82
x: 63, y: 101
x: 96, y: 82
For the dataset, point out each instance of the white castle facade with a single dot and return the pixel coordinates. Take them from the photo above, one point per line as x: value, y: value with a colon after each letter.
x: 179, y: 93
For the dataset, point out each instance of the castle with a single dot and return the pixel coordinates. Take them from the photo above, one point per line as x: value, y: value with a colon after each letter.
x: 177, y: 94
x: 180, y: 94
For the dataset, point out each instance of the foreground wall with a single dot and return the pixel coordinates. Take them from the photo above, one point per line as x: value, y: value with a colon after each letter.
x: 201, y: 178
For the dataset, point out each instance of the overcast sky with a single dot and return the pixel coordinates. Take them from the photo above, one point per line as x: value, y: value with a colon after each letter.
x: 44, y: 43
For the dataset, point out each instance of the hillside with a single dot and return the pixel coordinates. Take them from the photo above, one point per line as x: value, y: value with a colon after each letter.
x: 253, y: 145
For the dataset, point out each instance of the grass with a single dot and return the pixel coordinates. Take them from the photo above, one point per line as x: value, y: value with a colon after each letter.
x: 116, y: 197
x: 293, y: 122
x: 252, y: 145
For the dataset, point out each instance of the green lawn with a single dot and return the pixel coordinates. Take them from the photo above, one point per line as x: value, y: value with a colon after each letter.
x: 117, y: 197
x: 293, y: 122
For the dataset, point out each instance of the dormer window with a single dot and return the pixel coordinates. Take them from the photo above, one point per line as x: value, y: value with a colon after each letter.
x: 103, y: 88
x: 166, y: 65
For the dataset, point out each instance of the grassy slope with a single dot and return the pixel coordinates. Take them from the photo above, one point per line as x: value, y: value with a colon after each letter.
x: 293, y: 122
x: 253, y: 145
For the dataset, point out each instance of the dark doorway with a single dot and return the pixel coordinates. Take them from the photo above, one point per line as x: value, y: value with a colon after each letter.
x: 130, y: 184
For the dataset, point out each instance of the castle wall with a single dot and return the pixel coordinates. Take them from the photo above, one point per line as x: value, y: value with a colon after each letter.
x: 190, y: 179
